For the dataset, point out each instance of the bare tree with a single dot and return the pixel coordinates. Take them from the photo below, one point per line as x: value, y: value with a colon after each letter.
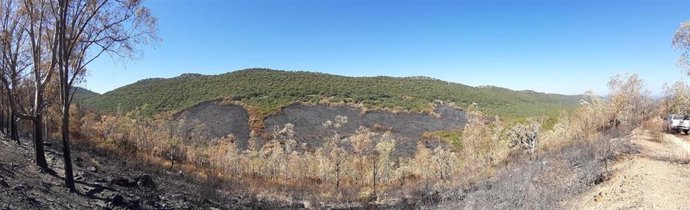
x: 629, y: 100
x: 335, y: 153
x: 24, y: 71
x: 85, y: 30
x: 524, y: 136
x: 677, y: 98
x: 8, y: 122
x: 681, y: 41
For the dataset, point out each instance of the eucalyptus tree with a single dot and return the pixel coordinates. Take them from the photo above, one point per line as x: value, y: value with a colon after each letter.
x: 87, y: 29
x: 26, y: 68
x: 681, y: 41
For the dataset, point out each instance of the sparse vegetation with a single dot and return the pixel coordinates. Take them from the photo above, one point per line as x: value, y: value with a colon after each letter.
x: 480, y: 147
x: 360, y: 167
x: 676, y: 98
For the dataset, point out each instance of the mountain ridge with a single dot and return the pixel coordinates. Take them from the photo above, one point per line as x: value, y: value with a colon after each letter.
x: 268, y: 90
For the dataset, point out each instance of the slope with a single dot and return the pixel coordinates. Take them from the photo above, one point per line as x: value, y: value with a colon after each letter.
x: 656, y: 178
x: 82, y: 94
x: 269, y: 90
x: 109, y: 180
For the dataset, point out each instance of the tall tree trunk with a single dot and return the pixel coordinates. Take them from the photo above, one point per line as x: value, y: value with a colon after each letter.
x: 8, y: 112
x: 14, y: 135
x: 45, y: 128
x: 38, y: 142
x: 6, y: 118
x: 64, y: 72
x: 69, y: 177
x: 37, y: 121
x: 2, y: 121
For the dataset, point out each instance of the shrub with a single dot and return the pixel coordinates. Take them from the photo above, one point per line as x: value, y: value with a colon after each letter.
x: 676, y: 98
x: 524, y: 137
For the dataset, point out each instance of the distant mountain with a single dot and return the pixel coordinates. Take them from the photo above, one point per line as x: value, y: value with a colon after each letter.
x: 268, y: 90
x: 81, y: 94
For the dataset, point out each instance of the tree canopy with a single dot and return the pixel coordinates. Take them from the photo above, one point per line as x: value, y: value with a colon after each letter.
x: 268, y: 90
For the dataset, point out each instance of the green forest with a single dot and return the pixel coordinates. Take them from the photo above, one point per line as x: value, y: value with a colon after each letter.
x: 268, y: 90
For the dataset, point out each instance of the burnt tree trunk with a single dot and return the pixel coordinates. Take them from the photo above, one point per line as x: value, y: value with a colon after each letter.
x: 69, y: 176
x: 63, y: 59
x: 38, y: 142
x: 14, y: 135
x: 37, y: 121
x: 2, y: 120
x: 45, y: 128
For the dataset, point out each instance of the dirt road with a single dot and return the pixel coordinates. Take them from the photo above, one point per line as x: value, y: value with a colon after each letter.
x: 656, y: 178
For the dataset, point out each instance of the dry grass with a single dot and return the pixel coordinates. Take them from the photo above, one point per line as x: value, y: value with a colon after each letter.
x: 359, y: 170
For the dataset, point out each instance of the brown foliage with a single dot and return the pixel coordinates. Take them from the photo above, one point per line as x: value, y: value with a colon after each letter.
x: 359, y: 167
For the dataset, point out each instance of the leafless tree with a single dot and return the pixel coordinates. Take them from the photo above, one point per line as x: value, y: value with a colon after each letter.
x: 85, y: 30
x: 681, y: 41
x: 524, y: 137
x: 25, y: 70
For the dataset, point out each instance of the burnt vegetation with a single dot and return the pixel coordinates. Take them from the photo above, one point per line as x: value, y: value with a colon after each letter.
x: 137, y: 147
x: 359, y: 170
x: 516, y: 162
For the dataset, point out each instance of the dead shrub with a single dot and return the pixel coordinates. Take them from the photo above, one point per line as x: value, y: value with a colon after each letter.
x: 361, y: 168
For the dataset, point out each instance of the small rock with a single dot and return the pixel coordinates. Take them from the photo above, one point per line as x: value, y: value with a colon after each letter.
x: 92, y: 169
x: 125, y: 182
x: 146, y: 181
x: 19, y: 187
x: 117, y: 200
x: 79, y: 175
x: 4, y: 184
x: 104, y: 180
x: 102, y: 204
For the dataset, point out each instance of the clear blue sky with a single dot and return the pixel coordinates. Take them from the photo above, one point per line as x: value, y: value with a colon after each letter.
x: 554, y: 46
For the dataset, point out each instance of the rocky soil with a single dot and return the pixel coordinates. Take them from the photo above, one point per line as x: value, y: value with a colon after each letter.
x: 109, y: 181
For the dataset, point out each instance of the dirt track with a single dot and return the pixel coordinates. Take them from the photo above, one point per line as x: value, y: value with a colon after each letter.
x: 656, y: 178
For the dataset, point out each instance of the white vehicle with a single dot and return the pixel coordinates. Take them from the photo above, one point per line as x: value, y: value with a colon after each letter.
x: 677, y: 123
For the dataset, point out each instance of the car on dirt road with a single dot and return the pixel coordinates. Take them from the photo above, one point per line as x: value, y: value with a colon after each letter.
x: 677, y: 123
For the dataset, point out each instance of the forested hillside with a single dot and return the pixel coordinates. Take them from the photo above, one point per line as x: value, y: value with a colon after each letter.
x: 268, y: 90
x: 81, y: 94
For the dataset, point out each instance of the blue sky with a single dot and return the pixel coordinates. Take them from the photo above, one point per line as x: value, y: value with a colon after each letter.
x: 554, y: 46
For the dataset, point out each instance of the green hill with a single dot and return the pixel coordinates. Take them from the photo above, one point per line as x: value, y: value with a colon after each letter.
x: 82, y: 94
x: 268, y: 90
